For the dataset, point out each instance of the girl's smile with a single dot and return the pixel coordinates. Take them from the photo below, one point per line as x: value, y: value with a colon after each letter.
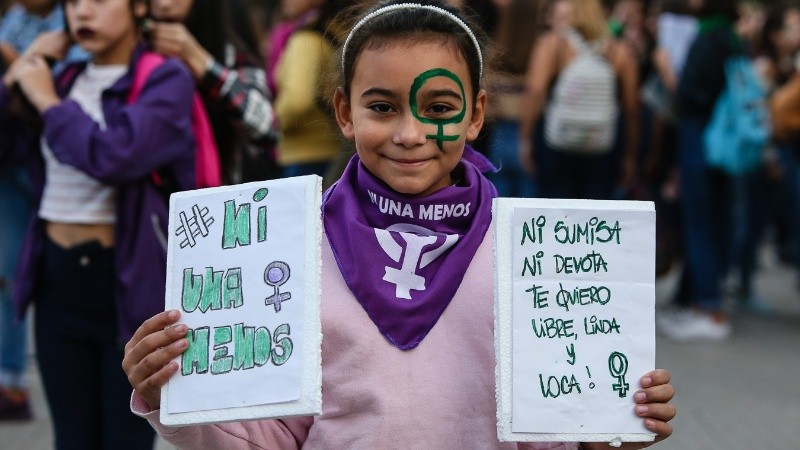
x: 411, y: 120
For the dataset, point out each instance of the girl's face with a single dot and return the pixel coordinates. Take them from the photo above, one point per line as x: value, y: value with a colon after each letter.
x: 105, y: 28
x: 790, y: 33
x: 410, y: 113
x: 171, y: 10
x: 561, y: 14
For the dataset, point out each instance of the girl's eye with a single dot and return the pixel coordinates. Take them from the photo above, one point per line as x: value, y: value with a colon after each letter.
x: 381, y: 108
x: 440, y: 109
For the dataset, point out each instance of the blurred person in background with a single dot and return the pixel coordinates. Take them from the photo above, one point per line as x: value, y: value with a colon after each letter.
x: 21, y: 25
x: 308, y: 141
x: 586, y: 170
x: 705, y: 192
x: 514, y: 43
x: 216, y: 41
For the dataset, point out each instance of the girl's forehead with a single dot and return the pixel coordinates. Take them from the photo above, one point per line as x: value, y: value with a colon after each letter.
x: 391, y: 54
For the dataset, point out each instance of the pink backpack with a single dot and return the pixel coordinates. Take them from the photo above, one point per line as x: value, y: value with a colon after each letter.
x: 208, y: 172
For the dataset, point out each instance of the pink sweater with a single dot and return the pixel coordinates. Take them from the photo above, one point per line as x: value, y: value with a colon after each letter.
x: 438, y: 395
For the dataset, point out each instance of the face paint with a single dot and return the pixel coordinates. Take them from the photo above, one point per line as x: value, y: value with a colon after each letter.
x: 419, y: 82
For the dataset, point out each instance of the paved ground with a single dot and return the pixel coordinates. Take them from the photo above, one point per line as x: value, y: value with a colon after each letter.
x: 742, y: 394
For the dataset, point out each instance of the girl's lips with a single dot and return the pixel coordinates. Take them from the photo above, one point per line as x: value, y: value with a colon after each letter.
x: 84, y: 33
x: 409, y: 162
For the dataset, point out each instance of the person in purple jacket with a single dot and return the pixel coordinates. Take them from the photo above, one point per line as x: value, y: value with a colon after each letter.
x: 99, y: 229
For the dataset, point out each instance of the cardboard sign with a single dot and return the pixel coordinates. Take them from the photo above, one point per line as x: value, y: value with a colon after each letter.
x: 575, y: 311
x: 243, y: 267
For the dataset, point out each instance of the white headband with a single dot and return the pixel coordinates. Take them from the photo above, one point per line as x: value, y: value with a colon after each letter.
x: 436, y: 9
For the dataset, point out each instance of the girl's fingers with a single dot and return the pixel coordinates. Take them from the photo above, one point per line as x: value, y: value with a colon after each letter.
x: 655, y: 378
x: 153, y: 344
x: 150, y: 388
x: 155, y: 362
x: 152, y: 325
x: 659, y: 411
x: 656, y: 394
x: 662, y: 429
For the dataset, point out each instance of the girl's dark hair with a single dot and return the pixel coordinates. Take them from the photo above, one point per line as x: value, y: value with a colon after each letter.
x: 727, y: 8
x: 215, y: 23
x: 419, y: 25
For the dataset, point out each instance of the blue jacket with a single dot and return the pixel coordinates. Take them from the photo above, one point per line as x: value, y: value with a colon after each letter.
x: 153, y: 133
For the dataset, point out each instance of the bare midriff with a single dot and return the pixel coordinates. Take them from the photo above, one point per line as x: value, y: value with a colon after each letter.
x: 69, y: 235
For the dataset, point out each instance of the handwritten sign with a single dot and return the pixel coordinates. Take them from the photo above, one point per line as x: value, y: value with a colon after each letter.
x: 243, y: 267
x: 575, y: 310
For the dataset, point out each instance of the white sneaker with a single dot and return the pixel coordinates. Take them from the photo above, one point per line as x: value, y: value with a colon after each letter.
x: 690, y: 325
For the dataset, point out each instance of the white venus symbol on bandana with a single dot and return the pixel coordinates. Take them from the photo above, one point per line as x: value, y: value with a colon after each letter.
x: 416, y: 237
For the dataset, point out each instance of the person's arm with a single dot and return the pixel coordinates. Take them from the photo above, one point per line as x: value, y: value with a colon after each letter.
x: 8, y: 53
x: 241, y: 91
x: 148, y: 365
x: 625, y: 67
x: 138, y: 138
x: 541, y: 71
x: 306, y: 57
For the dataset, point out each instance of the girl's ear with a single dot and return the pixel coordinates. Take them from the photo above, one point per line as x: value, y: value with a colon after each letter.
x: 344, y: 113
x: 478, y: 116
x: 139, y: 9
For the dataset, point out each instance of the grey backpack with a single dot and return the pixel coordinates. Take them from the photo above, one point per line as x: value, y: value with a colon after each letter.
x: 583, y: 110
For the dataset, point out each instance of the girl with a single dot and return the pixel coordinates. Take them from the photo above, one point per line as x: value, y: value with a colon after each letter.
x: 571, y: 172
x: 418, y: 369
x: 100, y: 221
x: 229, y: 75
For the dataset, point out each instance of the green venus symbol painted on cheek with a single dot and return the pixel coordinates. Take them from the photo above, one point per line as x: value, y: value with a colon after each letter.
x: 419, y: 82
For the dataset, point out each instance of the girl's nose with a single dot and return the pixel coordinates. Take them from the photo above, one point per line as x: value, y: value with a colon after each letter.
x: 83, y: 8
x: 410, y: 132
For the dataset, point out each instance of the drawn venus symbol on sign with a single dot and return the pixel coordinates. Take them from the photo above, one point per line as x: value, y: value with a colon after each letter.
x: 195, y: 226
x: 440, y: 123
x: 275, y: 275
x: 618, y: 366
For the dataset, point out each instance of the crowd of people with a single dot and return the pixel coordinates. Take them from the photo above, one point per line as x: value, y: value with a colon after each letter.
x: 567, y: 99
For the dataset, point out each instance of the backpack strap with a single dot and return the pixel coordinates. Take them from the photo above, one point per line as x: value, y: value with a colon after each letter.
x: 207, y: 164
x: 147, y: 63
x: 577, y: 41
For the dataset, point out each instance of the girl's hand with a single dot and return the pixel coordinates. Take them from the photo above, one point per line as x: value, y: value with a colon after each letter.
x: 653, y: 405
x: 52, y: 45
x: 36, y: 81
x: 149, y: 354
x: 173, y: 39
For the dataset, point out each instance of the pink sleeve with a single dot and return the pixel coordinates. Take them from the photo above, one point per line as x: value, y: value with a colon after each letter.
x: 263, y: 434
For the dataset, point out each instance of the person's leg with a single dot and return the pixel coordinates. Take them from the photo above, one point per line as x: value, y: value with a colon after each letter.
x: 701, y: 201
x: 75, y: 315
x: 122, y: 430
x: 15, y: 209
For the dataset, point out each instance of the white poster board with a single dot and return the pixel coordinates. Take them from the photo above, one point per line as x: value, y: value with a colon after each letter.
x: 574, y: 317
x: 243, y: 267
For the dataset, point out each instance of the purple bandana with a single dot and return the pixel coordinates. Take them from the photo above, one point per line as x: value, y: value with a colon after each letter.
x: 404, y: 257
